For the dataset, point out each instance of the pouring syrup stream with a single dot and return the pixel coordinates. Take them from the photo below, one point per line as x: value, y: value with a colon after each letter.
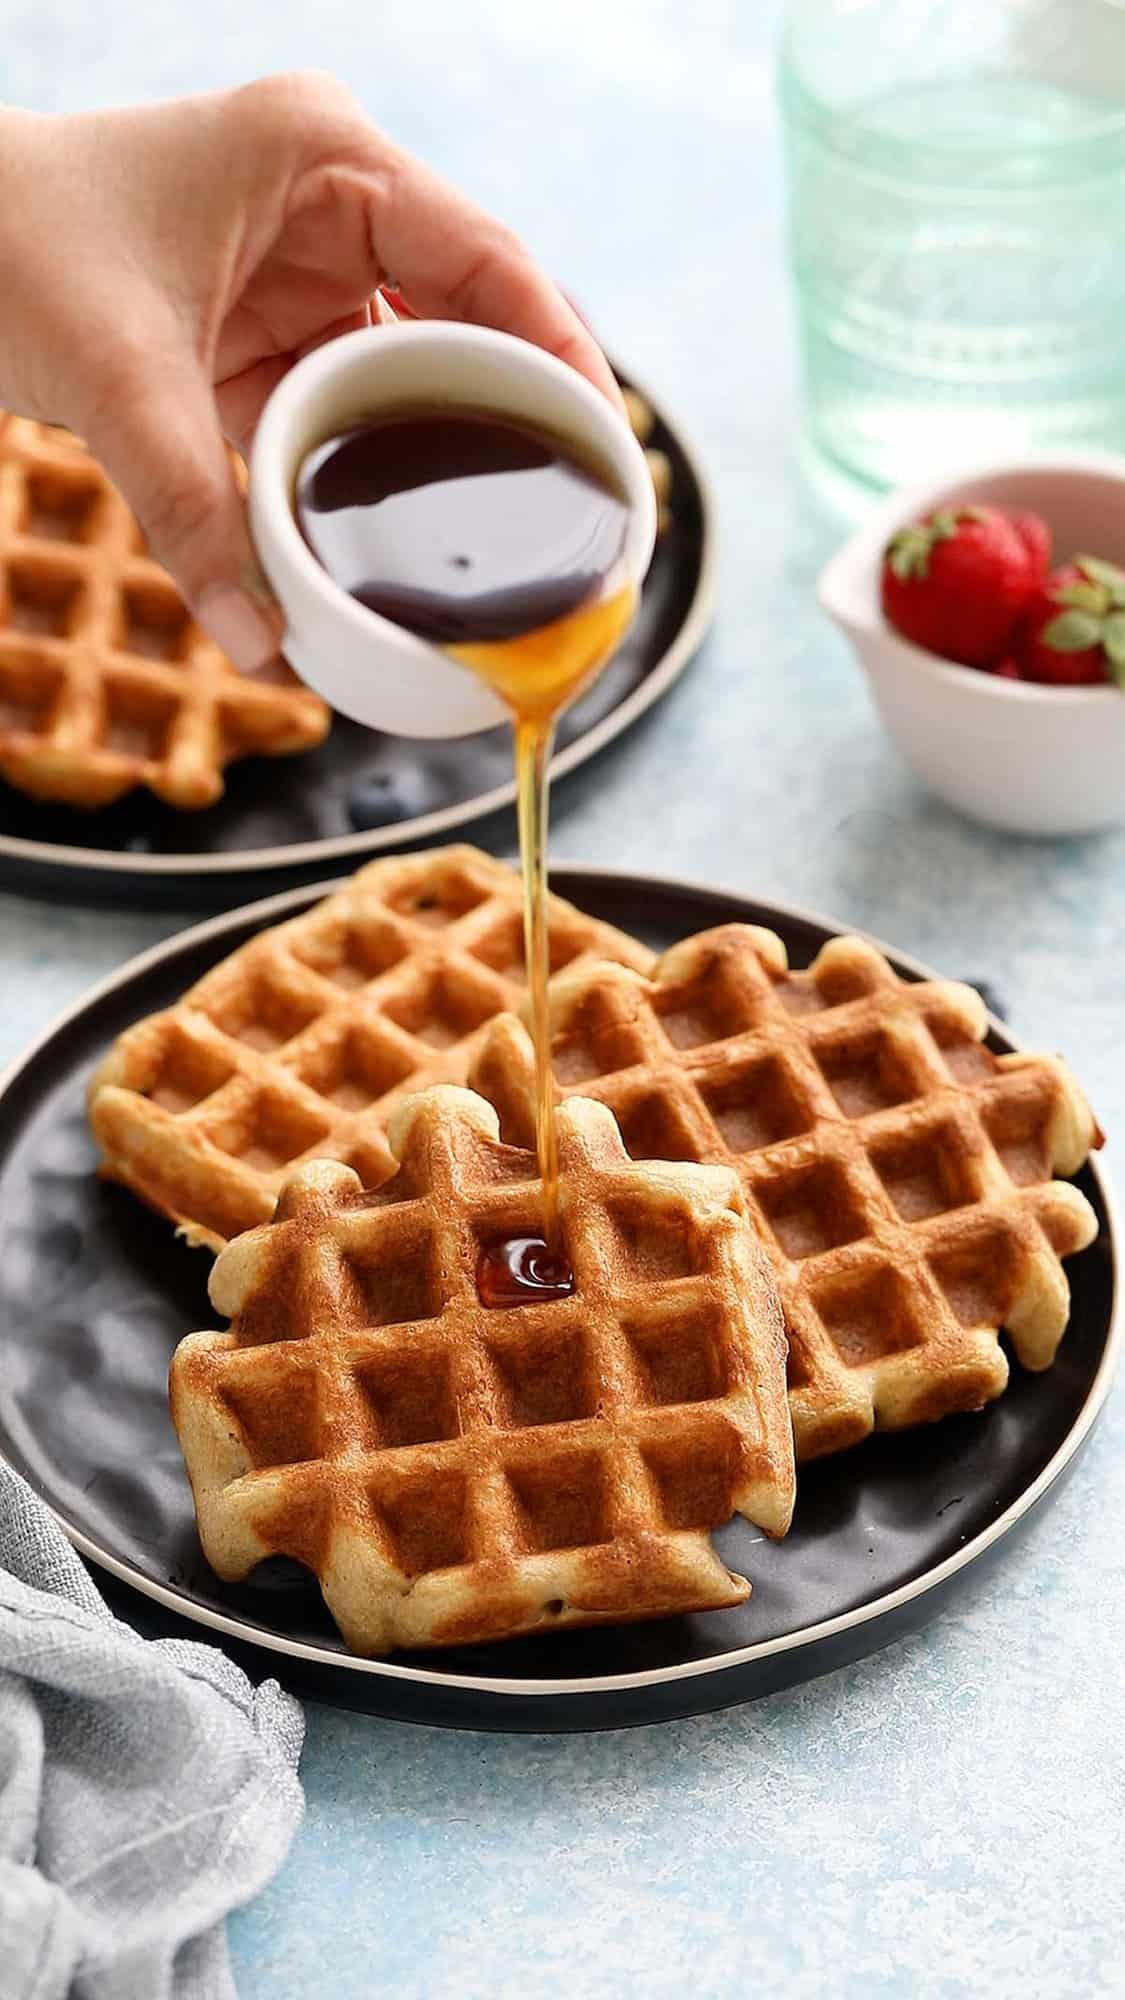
x: 494, y: 541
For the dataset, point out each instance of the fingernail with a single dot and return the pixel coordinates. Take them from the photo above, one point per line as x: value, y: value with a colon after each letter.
x: 246, y: 634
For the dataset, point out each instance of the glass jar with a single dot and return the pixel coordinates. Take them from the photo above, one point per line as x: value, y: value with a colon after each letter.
x: 957, y: 228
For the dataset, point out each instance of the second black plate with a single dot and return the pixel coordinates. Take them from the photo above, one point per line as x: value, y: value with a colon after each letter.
x: 361, y: 793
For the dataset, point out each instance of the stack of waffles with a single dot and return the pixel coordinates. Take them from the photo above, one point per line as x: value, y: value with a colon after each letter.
x: 833, y: 1151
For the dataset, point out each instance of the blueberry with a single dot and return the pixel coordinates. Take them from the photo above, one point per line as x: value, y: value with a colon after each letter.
x: 385, y: 798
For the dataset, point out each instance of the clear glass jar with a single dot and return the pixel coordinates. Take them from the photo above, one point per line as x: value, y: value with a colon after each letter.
x: 957, y: 227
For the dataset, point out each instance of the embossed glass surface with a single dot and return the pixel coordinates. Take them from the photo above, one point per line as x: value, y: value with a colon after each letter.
x: 957, y: 227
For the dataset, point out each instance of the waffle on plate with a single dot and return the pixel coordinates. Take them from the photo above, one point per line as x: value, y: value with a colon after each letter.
x: 106, y: 681
x: 299, y: 1045
x: 900, y: 1175
x: 453, y: 1473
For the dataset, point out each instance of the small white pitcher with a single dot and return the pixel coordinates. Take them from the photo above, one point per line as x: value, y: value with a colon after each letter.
x: 362, y: 664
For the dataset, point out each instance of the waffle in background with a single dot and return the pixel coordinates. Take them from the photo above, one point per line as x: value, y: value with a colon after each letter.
x: 301, y: 1043
x: 900, y: 1175
x: 642, y: 423
x: 454, y: 1474
x: 106, y: 681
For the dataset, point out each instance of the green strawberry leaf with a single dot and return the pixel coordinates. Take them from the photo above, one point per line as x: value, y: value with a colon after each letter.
x: 1086, y: 597
x: 1107, y: 574
x: 1113, y: 639
x: 908, y: 553
x: 1072, y: 632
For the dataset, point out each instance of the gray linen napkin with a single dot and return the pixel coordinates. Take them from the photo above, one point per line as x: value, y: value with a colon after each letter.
x: 146, y: 1788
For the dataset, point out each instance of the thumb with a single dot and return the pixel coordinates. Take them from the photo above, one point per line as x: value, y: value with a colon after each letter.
x: 158, y: 438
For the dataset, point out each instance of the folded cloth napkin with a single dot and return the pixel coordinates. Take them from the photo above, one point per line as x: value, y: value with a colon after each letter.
x: 146, y: 1787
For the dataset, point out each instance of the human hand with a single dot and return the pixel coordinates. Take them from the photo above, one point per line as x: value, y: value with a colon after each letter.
x: 168, y: 263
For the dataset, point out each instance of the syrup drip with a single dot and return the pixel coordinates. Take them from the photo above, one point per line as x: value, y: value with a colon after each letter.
x: 520, y: 1270
x: 489, y: 538
x: 537, y: 676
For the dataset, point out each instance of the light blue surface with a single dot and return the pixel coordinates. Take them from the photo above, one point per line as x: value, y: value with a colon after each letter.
x: 943, y: 1820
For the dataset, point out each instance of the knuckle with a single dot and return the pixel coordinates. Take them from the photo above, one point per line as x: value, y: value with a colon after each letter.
x: 506, y: 247
x: 300, y: 99
x: 498, y: 265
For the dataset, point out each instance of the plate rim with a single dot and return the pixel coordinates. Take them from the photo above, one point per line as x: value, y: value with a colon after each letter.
x: 113, y: 863
x: 287, y: 902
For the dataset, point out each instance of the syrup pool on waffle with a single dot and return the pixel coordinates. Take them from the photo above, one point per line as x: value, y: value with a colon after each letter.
x: 495, y: 541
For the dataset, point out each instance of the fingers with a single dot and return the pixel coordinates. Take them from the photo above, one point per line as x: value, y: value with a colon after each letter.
x: 156, y: 431
x: 333, y: 210
x: 347, y: 323
x: 450, y: 260
x: 242, y: 397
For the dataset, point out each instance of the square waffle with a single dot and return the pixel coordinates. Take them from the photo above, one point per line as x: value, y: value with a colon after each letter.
x: 301, y: 1042
x: 452, y: 1473
x: 900, y: 1175
x: 106, y: 681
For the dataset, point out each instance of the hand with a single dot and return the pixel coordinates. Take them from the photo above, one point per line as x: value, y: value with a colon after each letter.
x: 167, y: 264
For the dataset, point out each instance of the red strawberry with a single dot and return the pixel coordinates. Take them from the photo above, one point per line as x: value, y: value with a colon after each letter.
x: 1035, y: 535
x: 1007, y: 669
x: 957, y: 583
x: 1073, y: 631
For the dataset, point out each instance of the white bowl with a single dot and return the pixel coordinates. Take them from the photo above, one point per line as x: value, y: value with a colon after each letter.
x: 361, y: 663
x: 1013, y: 754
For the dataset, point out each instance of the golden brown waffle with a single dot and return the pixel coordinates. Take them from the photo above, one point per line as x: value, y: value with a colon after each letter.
x: 642, y: 422
x: 454, y: 1474
x: 301, y: 1042
x: 900, y: 1175
x: 106, y: 681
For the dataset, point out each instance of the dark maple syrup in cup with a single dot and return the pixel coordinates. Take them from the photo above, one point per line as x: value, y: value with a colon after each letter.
x: 497, y: 542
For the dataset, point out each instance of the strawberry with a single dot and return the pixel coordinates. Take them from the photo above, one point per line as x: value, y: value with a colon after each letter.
x: 1007, y: 669
x: 957, y: 583
x: 1035, y: 535
x: 1072, y: 633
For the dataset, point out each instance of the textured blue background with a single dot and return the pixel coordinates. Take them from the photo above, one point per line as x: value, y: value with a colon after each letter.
x: 947, y: 1818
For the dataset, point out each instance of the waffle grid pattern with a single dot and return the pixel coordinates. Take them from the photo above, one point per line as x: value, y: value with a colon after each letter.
x: 455, y: 1474
x: 301, y: 1043
x: 106, y: 681
x: 899, y: 1174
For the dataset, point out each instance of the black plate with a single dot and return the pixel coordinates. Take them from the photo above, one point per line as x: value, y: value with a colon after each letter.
x: 293, y: 819
x: 95, y: 1292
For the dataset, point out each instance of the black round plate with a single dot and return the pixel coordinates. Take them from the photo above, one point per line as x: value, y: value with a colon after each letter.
x: 95, y: 1292
x: 361, y: 793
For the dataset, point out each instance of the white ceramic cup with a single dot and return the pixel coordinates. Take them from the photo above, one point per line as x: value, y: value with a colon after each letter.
x: 363, y: 665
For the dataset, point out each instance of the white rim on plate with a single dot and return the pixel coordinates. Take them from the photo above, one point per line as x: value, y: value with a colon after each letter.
x: 351, y: 846
x: 274, y: 908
